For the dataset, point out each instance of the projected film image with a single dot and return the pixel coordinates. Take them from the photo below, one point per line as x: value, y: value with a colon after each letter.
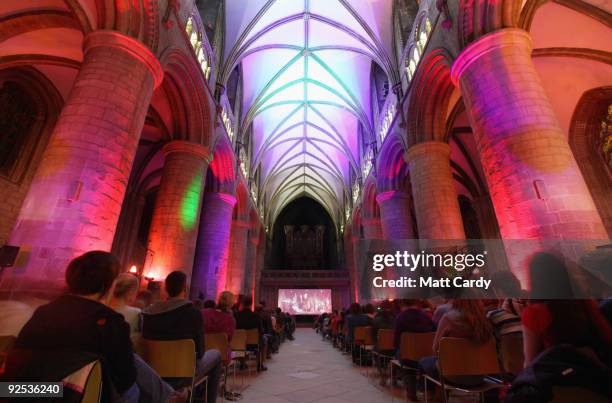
x: 304, y: 302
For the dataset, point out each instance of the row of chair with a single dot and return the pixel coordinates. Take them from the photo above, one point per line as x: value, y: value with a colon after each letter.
x: 497, y: 362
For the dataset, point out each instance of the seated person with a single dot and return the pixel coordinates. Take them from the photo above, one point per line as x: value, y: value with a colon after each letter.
x: 506, y: 316
x: 144, y: 298
x: 551, y: 322
x: 412, y: 319
x: 219, y: 319
x: 384, y: 319
x: 247, y: 319
x: 466, y: 319
x: 177, y: 318
x: 81, y: 320
x: 209, y: 303
x: 355, y: 318
x: 124, y: 296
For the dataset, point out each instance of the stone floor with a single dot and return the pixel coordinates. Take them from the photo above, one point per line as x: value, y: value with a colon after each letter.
x: 309, y: 369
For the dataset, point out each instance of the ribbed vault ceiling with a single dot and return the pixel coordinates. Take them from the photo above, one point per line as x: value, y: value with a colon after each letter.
x: 306, y: 91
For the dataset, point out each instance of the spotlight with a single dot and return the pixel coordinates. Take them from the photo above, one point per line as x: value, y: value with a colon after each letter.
x: 133, y: 269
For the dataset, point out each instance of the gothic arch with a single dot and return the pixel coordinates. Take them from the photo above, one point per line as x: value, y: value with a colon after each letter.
x: 429, y: 98
x: 183, y: 85
x: 584, y: 135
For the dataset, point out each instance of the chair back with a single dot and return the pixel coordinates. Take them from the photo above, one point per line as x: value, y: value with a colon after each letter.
x: 218, y: 341
x: 137, y: 343
x: 170, y: 358
x: 362, y: 336
x: 239, y: 340
x: 6, y: 343
x: 414, y: 346
x: 464, y: 357
x: 252, y: 337
x: 511, y: 353
x: 384, y: 340
x: 572, y: 394
x: 92, y: 392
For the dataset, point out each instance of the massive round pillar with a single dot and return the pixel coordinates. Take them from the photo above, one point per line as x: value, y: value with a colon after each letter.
x: 174, y: 227
x: 372, y: 228
x: 435, y: 198
x: 75, y: 198
x: 395, y: 217
x: 210, y: 267
x: 535, y: 184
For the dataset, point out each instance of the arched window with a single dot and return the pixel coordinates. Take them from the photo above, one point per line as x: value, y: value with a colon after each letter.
x: 195, y: 38
x: 17, y: 116
x: 421, y: 36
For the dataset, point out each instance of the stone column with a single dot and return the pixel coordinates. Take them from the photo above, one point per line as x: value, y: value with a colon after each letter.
x: 75, y: 198
x: 261, y: 255
x: 210, y: 267
x: 236, y: 268
x: 372, y: 228
x: 535, y: 184
x: 435, y: 197
x: 395, y: 217
x: 250, y: 278
x: 355, y: 276
x: 174, y: 227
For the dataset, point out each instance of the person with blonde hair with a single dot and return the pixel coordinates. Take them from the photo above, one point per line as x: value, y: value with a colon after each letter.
x: 467, y: 320
x: 124, y: 296
x: 220, y: 319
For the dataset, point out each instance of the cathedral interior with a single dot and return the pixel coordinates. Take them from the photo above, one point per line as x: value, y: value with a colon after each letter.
x: 258, y: 145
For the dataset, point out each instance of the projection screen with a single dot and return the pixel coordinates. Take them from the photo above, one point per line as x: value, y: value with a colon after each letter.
x: 305, y: 301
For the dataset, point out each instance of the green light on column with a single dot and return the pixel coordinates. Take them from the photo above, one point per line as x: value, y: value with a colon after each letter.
x: 191, y: 203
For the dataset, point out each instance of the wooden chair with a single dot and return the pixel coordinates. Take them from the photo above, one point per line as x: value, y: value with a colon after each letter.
x: 511, y: 353
x: 174, y: 359
x: 362, y: 339
x: 218, y: 341
x: 384, y: 342
x: 238, y: 346
x: 573, y: 394
x: 252, y: 339
x: 462, y: 357
x: 413, y: 347
x: 6, y: 343
x: 92, y: 392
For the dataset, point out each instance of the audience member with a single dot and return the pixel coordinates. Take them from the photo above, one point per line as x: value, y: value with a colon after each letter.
x: 220, y: 319
x: 549, y: 322
x: 82, y: 322
x: 369, y: 310
x: 466, y: 319
x: 177, y: 318
x: 124, y: 296
x: 384, y: 319
x: 247, y: 319
x: 506, y: 318
x: 413, y: 319
x: 144, y: 298
x: 354, y: 319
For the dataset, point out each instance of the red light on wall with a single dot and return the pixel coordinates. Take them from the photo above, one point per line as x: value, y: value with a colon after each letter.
x: 134, y: 269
